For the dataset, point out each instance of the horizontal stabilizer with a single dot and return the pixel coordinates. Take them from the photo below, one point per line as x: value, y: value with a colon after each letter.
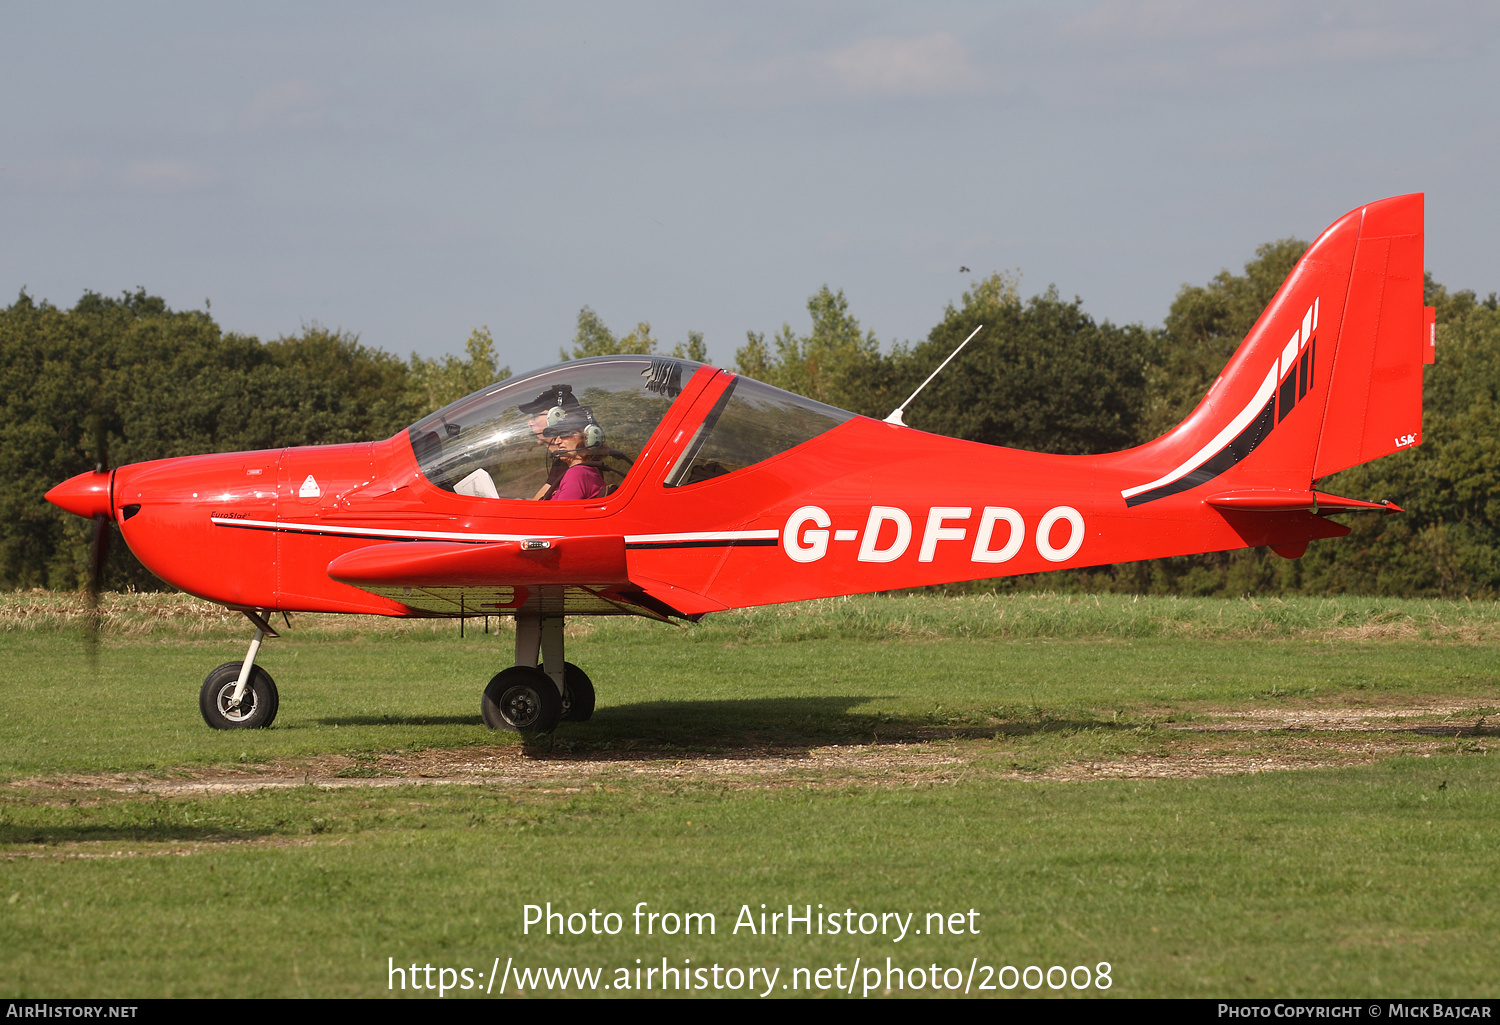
x: 597, y: 561
x: 1271, y: 500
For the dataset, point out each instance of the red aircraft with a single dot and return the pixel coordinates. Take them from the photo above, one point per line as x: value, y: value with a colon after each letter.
x: 657, y: 487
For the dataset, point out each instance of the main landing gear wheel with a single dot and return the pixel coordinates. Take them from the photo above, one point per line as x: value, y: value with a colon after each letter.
x: 521, y: 698
x: 257, y: 708
x: 578, y: 694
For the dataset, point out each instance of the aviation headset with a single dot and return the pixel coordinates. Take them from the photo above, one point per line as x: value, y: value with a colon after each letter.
x: 593, y: 434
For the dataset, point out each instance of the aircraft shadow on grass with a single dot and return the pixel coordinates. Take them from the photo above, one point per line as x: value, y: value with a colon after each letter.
x: 398, y: 720
x: 784, y: 725
x: 155, y: 831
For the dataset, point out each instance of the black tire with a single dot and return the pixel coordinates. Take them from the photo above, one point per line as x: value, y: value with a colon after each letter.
x: 257, y: 708
x: 578, y: 694
x: 521, y: 698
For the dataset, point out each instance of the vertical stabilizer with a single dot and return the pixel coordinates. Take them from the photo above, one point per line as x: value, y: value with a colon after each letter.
x: 1375, y: 394
x: 1329, y: 376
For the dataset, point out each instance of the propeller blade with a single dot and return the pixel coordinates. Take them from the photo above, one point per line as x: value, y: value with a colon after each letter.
x: 98, y: 544
x: 98, y: 558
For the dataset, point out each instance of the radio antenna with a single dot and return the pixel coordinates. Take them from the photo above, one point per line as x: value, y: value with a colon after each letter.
x: 895, y: 417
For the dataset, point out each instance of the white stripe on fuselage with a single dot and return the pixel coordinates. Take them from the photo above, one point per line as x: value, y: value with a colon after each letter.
x: 1239, y: 423
x: 706, y: 535
x: 436, y: 535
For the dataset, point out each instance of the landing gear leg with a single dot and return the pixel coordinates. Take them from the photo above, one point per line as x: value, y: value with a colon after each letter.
x: 241, y: 695
x: 573, y: 683
x: 524, y: 697
x: 552, y: 652
x: 578, y: 694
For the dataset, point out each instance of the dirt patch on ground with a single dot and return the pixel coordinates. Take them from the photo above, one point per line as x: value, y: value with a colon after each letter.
x: 1217, y: 743
x: 88, y: 850
x: 1246, y: 741
x: 513, y: 765
x: 1189, y: 762
x: 1438, y: 718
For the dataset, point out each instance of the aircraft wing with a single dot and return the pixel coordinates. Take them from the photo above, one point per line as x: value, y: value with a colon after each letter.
x: 547, y: 576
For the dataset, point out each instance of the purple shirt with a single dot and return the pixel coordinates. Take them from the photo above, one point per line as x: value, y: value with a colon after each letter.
x: 581, y: 481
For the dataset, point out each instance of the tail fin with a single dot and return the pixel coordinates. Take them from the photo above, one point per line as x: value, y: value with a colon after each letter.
x: 1330, y: 375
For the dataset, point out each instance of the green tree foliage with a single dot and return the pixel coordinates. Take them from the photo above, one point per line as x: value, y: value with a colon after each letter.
x: 693, y: 349
x: 1205, y: 326
x: 433, y: 383
x: 1041, y: 375
x: 594, y: 338
x: 164, y: 383
x: 835, y: 362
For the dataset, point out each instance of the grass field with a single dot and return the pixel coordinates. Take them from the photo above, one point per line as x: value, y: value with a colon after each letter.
x: 1216, y: 798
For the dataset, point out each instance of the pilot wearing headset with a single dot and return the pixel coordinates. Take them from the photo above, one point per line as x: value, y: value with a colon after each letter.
x: 560, y: 397
x: 578, y: 442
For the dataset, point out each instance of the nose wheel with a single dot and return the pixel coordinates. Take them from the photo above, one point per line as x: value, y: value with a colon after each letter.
x: 241, y: 695
x: 256, y: 708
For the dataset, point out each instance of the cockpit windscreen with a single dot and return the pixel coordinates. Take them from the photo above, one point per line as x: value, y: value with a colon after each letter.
x: 749, y: 424
x: 570, y: 431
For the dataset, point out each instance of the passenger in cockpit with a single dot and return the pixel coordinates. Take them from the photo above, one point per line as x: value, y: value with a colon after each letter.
x: 578, y: 442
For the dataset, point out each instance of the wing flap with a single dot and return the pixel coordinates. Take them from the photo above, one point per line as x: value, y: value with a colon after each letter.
x: 520, y: 600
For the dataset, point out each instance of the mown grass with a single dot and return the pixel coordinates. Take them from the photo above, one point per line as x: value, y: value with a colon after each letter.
x: 838, y: 671
x: 1369, y: 880
x: 858, y: 618
x: 134, y: 708
x: 1376, y: 881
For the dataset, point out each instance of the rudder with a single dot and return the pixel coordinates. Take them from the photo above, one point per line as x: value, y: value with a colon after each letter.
x: 1374, y: 402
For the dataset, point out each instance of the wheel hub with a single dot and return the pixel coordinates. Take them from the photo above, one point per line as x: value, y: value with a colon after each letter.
x: 520, y: 706
x: 236, y: 712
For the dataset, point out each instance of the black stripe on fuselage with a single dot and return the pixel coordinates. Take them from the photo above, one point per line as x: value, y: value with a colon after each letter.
x: 1243, y: 444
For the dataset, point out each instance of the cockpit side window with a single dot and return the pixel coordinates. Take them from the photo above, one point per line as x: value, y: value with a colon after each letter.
x: 518, y: 438
x: 749, y: 424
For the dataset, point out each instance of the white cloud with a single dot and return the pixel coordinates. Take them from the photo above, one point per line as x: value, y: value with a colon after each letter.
x: 913, y: 66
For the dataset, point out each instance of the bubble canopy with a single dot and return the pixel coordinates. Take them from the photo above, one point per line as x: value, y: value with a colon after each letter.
x: 496, y: 443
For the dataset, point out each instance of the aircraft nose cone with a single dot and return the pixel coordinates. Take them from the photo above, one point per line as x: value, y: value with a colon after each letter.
x: 86, y: 495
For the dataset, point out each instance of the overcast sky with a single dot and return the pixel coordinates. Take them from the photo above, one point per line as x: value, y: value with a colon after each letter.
x: 407, y: 172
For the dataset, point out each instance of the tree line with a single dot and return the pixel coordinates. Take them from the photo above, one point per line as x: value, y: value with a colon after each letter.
x: 1042, y: 375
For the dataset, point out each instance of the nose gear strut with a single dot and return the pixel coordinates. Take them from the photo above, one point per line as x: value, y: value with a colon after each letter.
x: 241, y: 695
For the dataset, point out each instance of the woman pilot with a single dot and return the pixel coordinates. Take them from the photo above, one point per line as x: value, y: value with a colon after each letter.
x: 578, y: 442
